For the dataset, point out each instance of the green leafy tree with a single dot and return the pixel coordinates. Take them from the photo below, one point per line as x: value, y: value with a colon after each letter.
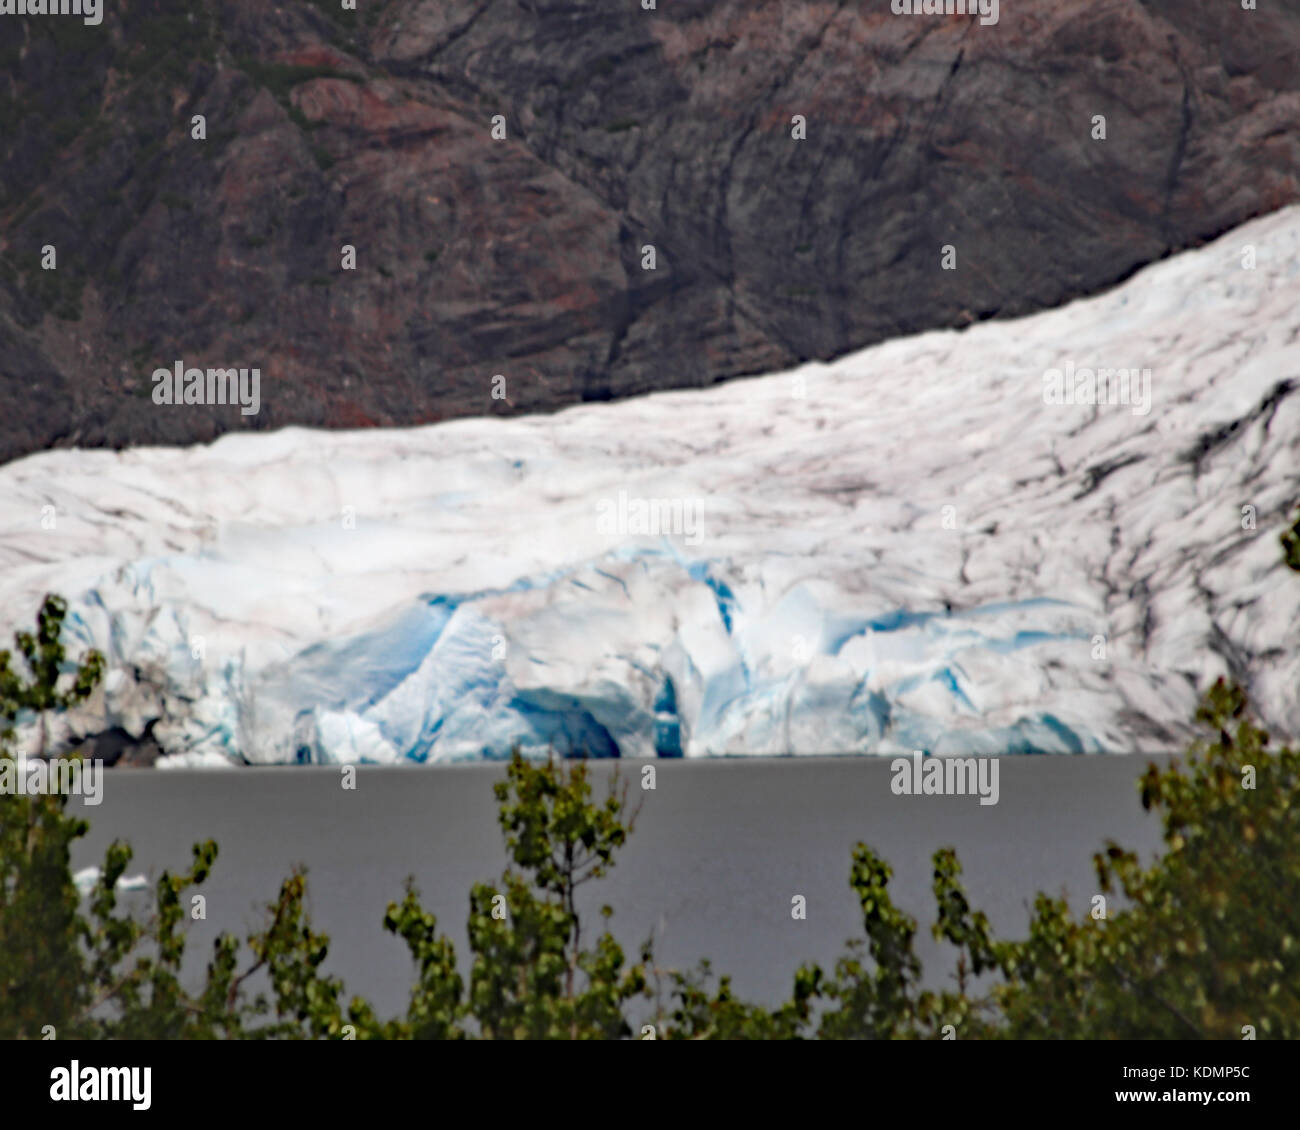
x: 41, y: 932
x: 1291, y: 546
x: 1207, y: 939
x: 531, y: 976
x: 87, y: 969
x: 50, y: 682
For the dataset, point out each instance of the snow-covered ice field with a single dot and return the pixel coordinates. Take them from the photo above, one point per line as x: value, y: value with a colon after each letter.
x: 908, y: 548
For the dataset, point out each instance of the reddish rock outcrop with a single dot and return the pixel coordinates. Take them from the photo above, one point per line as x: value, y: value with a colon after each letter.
x: 624, y: 128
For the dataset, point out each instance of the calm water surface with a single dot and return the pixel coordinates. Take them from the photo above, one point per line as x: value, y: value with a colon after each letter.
x: 719, y: 851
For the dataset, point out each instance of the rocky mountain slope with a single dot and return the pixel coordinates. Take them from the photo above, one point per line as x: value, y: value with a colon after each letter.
x: 623, y: 128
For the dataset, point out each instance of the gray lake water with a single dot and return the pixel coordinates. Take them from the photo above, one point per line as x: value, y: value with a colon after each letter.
x: 719, y: 851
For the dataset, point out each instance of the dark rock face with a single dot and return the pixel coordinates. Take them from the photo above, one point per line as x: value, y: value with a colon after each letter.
x: 625, y: 128
x: 118, y: 748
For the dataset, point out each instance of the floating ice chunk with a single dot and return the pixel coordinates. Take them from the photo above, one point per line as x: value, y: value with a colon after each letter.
x: 88, y: 878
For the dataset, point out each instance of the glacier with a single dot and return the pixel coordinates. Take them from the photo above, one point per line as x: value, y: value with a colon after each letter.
x: 908, y: 548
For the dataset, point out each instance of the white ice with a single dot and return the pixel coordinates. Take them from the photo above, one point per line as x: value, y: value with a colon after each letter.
x: 905, y: 549
x: 88, y: 878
